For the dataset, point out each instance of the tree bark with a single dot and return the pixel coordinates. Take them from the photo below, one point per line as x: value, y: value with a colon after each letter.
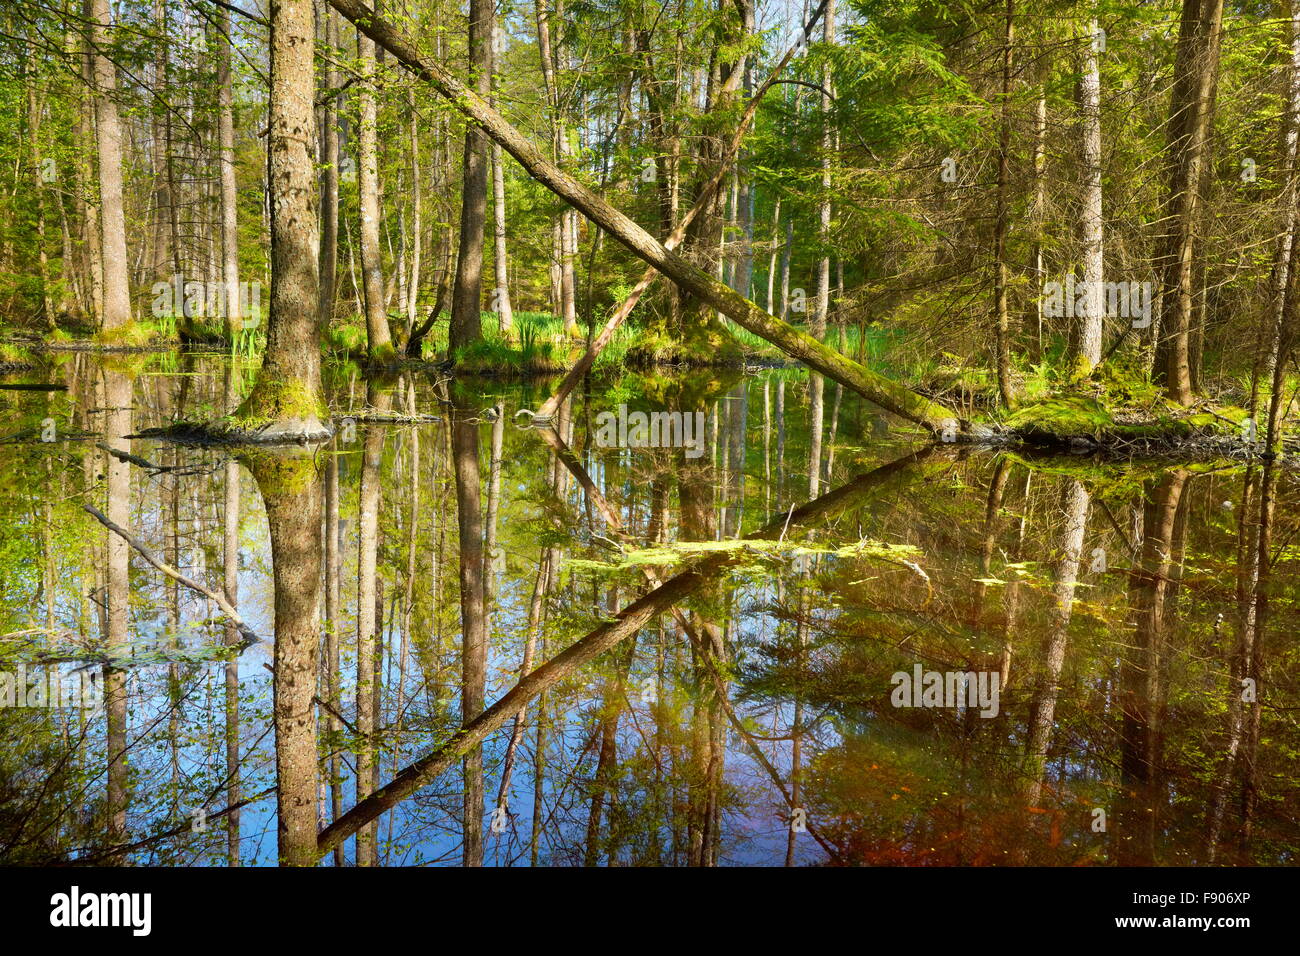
x: 379, y: 339
x: 1186, y: 147
x: 467, y: 294
x: 116, y: 306
x: 287, y: 392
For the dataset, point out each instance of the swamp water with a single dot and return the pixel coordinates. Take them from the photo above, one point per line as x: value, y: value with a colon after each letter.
x: 952, y: 656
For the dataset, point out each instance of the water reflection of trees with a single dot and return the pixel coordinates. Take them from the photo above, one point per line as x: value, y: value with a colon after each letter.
x: 468, y: 595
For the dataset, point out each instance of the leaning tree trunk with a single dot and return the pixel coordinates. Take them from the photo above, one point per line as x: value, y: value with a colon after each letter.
x: 286, y: 399
x: 889, y: 395
x: 1187, y: 140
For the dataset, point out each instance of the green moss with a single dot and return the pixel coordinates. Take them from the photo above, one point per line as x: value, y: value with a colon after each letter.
x: 273, y: 400
x: 280, y: 471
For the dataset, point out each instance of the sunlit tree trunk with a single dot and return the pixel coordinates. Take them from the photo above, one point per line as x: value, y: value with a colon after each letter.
x: 108, y: 137
x: 288, y: 387
x: 501, y: 294
x: 1086, y: 341
x: 1069, y: 549
x: 467, y: 294
x: 379, y: 339
x: 1136, y: 817
x: 329, y: 180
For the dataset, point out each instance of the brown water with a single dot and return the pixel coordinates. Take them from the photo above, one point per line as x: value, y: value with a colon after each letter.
x: 1136, y: 659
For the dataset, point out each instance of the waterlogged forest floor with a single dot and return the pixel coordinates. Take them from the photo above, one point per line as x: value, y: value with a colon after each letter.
x: 1112, y: 411
x: 1067, y: 577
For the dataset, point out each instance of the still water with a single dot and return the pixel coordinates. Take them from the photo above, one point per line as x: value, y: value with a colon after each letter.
x: 918, y: 655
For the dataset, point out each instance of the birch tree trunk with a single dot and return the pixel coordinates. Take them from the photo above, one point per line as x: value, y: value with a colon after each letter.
x: 1087, y: 342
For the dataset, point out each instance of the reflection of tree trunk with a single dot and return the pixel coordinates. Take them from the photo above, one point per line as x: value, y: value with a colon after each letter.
x: 1239, y: 660
x: 117, y: 425
x: 1011, y: 600
x: 230, y: 578
x: 494, y: 501
x: 291, y: 491
x: 1074, y: 503
x: 465, y: 452
x: 1139, y: 678
x: 611, y: 708
x: 367, y: 614
x: 1254, y: 664
x: 333, y: 630
x: 698, y: 523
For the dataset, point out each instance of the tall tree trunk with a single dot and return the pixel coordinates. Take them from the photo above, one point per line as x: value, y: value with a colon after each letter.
x: 501, y: 294
x: 229, y: 218
x: 329, y: 180
x: 417, y: 224
x: 108, y: 138
x: 1186, y: 148
x: 1086, y: 341
x: 288, y: 387
x: 1001, y: 275
x: 379, y: 340
x: 818, y: 324
x: 1286, y: 290
x: 467, y: 294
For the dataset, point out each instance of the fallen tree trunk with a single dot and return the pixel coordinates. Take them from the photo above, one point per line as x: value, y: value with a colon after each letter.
x: 888, y: 394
